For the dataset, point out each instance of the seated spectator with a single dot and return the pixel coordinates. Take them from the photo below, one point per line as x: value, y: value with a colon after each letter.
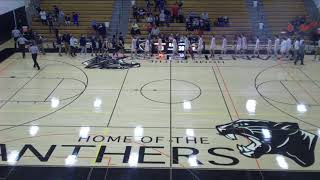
x: 155, y: 32
x: 135, y: 30
x: 149, y: 27
x: 61, y: 18
x: 56, y: 11
x: 94, y: 25
x: 135, y: 12
x: 162, y: 18
x: 157, y: 20
x: 150, y: 19
x: 189, y: 25
x: 162, y: 5
x: 205, y: 16
x: 195, y: 23
x: 67, y: 20
x: 167, y: 17
x: 102, y: 30
x: 174, y: 12
x: 141, y: 13
x: 75, y: 17
x: 226, y: 20
x: 38, y: 9
x: 181, y: 15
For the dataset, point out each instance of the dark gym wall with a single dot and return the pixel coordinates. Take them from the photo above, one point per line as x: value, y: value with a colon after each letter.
x: 7, y: 23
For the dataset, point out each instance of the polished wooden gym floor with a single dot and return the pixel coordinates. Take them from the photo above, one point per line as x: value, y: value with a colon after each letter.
x: 250, y: 119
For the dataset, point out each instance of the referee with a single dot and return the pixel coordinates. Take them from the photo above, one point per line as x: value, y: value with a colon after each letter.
x: 34, y: 50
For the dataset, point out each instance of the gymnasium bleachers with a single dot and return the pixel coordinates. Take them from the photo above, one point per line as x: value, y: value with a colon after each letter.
x: 99, y: 10
x: 236, y: 10
x: 280, y: 12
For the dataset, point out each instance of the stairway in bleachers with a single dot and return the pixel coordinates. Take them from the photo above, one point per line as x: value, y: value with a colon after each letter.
x: 99, y: 10
x: 236, y: 10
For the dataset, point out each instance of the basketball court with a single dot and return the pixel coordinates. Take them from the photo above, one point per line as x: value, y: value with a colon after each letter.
x: 178, y: 119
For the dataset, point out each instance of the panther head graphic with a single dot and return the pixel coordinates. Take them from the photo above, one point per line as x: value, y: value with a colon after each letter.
x: 267, y: 137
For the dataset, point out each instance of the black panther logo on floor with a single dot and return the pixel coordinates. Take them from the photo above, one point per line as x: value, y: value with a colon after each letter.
x: 268, y: 137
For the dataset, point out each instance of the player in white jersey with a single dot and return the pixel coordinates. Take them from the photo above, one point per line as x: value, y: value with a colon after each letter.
x: 174, y: 48
x: 276, y: 46
x: 147, y: 48
x: 256, y: 51
x: 283, y: 48
x: 289, y: 46
x: 269, y: 47
x: 296, y: 47
x: 244, y: 44
x: 224, y: 45
x: 133, y: 47
x: 200, y: 46
x: 238, y: 45
x: 212, y: 46
x: 159, y: 45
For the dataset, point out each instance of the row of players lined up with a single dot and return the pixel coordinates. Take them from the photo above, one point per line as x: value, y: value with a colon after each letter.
x: 98, y: 45
x: 283, y: 47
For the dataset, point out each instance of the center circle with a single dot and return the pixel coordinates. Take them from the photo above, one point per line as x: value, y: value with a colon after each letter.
x: 172, y: 91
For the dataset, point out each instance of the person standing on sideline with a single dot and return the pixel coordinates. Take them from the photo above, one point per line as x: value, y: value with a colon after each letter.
x: 159, y: 45
x: 296, y: 48
x: 238, y: 45
x: 300, y: 53
x: 213, y: 46
x: 59, y: 43
x: 34, y: 50
x: 73, y: 45
x: 224, y: 45
x: 15, y: 34
x: 22, y: 45
x: 276, y: 46
x: 66, y: 41
x: 174, y: 48
x: 147, y: 48
x: 289, y: 46
x: 283, y: 48
x: 200, y: 46
x: 133, y: 47
x: 244, y: 44
x: 256, y: 51
x: 269, y: 47
x: 83, y: 44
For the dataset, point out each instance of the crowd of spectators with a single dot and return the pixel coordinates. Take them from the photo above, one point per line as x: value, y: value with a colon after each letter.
x: 222, y: 21
x: 300, y: 25
x: 161, y: 16
x: 198, y: 22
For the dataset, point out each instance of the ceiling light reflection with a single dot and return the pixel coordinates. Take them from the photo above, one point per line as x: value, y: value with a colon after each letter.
x: 301, y: 108
x: 190, y: 132
x: 84, y: 132
x: 55, y: 102
x: 70, y: 160
x: 251, y: 106
x: 13, y: 157
x: 133, y: 159
x: 282, y: 162
x: 187, y: 105
x: 33, y: 130
x: 138, y: 133
x: 192, y: 160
